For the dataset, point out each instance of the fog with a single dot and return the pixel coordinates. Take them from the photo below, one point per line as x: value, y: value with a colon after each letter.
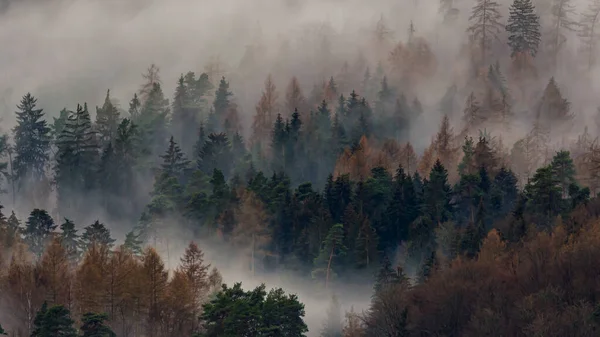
x: 71, y: 51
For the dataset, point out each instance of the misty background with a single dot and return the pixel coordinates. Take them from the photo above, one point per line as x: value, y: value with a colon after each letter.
x: 72, y: 51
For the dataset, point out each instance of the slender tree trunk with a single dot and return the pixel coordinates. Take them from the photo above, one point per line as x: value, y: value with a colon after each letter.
x: 329, y: 267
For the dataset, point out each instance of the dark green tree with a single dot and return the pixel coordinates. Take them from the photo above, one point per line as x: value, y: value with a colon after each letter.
x: 332, y: 250
x: 96, y: 233
x: 107, y: 121
x: 53, y: 322
x: 215, y: 154
x: 76, y: 160
x: 221, y: 105
x: 564, y: 170
x: 235, y: 312
x: 523, y: 28
x: 93, y: 325
x: 32, y: 142
x: 38, y: 231
x: 133, y: 243
x: 174, y: 164
x: 70, y: 239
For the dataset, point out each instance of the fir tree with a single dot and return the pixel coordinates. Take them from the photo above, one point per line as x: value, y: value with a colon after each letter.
x: 107, y: 121
x: 523, y: 28
x: 77, y: 158
x: 32, y: 142
x: 174, y: 164
x: 69, y: 239
x: 332, y: 249
x: 152, y: 121
x: 93, y: 325
x: 485, y: 25
x: 133, y: 244
x: 134, y: 108
x: 96, y: 233
x: 53, y: 322
x: 221, y: 104
x: 38, y: 231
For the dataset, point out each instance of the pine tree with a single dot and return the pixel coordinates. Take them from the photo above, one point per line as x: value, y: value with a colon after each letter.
x: 564, y: 170
x: 278, y: 140
x: 107, y: 121
x: 332, y: 249
x: 221, y: 104
x: 174, y: 164
x: 32, y: 142
x: 77, y: 158
x: 589, y: 32
x: 133, y: 243
x: 38, y: 231
x: 524, y: 28
x: 472, y: 113
x: 151, y: 78
x: 366, y: 245
x: 53, y: 322
x: 485, y: 25
x: 93, y: 325
x: 96, y: 234
x: 152, y: 121
x: 553, y: 108
x: 134, y: 108
x: 387, y: 277
x: 70, y: 240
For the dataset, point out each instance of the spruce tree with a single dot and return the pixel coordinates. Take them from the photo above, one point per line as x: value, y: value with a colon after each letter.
x: 523, y: 28
x: 221, y: 104
x: 332, y: 249
x: 70, y: 239
x: 53, y: 322
x: 175, y: 163
x: 278, y: 140
x: 485, y: 25
x: 107, y: 121
x: 93, y: 325
x: 133, y: 243
x: 96, y: 233
x: 38, y: 231
x: 152, y: 122
x: 77, y: 159
x: 32, y: 142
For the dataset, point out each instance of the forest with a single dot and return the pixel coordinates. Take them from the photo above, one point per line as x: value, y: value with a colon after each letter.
x: 470, y: 210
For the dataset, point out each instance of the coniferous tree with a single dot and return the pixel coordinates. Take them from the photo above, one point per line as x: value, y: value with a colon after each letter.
x: 152, y: 122
x: 485, y: 25
x: 524, y: 28
x: 332, y: 249
x: 53, y: 322
x: 107, y: 121
x: 70, y: 240
x: 590, y: 32
x: 38, y: 231
x: 32, y: 142
x: 133, y: 244
x: 96, y: 234
x: 93, y: 325
x: 174, y: 164
x: 561, y: 14
x: 77, y: 158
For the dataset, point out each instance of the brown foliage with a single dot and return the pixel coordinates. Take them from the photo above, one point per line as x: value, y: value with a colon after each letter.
x: 547, y: 285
